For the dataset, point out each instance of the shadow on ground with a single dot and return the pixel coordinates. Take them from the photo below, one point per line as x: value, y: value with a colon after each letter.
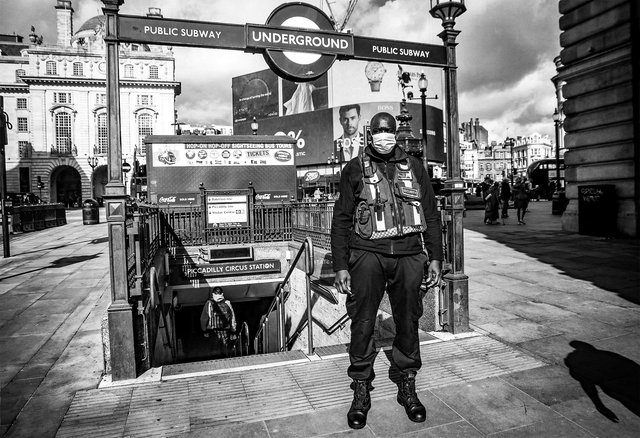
x: 578, y: 256
x: 614, y: 374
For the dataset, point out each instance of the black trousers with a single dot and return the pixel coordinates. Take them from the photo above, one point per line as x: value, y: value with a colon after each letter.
x: 372, y: 274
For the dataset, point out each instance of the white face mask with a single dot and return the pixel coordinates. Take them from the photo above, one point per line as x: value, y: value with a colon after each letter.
x: 383, y: 142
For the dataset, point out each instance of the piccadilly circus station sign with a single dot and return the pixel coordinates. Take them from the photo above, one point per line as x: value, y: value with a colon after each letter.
x: 298, y: 41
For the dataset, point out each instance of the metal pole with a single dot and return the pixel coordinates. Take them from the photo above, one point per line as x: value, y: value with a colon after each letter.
x: 457, y: 283
x: 557, y: 123
x: 4, y: 124
x: 423, y: 98
x: 120, y: 311
x: 511, y: 154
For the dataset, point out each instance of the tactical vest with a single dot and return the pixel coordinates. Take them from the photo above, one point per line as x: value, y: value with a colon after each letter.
x: 388, y: 208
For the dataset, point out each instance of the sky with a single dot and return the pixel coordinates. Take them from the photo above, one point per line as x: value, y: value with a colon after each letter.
x: 505, y: 51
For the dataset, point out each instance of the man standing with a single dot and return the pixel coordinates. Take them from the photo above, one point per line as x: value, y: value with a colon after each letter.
x: 505, y: 195
x: 385, y: 210
x: 349, y: 143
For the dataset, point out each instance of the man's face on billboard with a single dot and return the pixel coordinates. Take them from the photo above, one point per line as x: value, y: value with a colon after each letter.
x: 350, y: 121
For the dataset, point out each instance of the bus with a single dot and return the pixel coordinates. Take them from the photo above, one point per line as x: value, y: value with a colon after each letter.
x: 542, y: 175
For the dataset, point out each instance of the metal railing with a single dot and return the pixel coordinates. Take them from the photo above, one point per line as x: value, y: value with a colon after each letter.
x: 268, y: 223
x: 279, y: 299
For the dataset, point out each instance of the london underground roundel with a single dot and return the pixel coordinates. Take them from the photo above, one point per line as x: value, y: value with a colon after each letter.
x: 299, y: 66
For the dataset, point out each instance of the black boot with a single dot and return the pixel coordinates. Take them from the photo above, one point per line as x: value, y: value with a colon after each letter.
x: 357, y: 415
x: 408, y: 398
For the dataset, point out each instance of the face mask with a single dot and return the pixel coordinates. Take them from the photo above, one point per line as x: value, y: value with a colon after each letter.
x: 384, y: 142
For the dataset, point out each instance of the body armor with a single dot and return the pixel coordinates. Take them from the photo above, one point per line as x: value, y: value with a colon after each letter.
x: 388, y: 208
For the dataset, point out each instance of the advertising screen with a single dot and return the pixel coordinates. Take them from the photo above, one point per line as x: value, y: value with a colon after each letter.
x: 255, y: 95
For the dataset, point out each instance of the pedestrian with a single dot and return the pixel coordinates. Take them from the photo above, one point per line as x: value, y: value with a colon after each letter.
x: 218, y: 322
x: 505, y: 196
x: 521, y: 199
x: 492, y: 204
x: 385, y: 228
x: 485, y: 186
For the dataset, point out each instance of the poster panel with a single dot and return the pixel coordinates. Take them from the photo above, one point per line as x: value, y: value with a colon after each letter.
x: 301, y: 97
x: 255, y: 95
x: 229, y: 209
x: 311, y: 130
x: 222, y: 154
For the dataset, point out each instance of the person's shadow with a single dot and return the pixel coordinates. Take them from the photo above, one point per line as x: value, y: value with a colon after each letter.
x: 617, y: 376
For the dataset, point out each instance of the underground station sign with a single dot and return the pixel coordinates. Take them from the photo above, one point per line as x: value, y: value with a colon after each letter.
x: 298, y: 41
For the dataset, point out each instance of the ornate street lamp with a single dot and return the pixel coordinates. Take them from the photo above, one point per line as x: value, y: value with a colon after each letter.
x: 457, y: 283
x: 557, y: 121
x: 93, y: 163
x: 254, y: 126
x: 332, y: 160
x: 509, y: 141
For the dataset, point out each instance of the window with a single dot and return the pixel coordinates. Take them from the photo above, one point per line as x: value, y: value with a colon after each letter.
x: 128, y: 71
x: 480, y: 167
x: 145, y: 127
x: 145, y: 100
x: 101, y: 99
x: 62, y: 97
x: 153, y: 72
x: 63, y: 132
x: 488, y: 166
x: 78, y: 69
x: 19, y: 73
x: 23, y: 149
x: 51, y: 68
x: 101, y: 134
x: 21, y: 103
x: 23, y: 124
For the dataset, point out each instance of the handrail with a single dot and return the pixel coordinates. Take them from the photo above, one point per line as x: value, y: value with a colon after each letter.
x: 306, y: 248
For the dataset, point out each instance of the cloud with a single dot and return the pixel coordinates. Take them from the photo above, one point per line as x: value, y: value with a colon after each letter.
x: 505, y: 52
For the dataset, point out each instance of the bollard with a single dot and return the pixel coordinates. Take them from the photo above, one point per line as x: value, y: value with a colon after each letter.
x: 90, y: 212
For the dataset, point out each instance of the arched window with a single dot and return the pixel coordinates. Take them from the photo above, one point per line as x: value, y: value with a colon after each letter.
x: 101, y: 134
x: 51, y: 68
x: 78, y: 69
x: 63, y: 132
x: 145, y: 127
x: 128, y: 71
x: 153, y: 72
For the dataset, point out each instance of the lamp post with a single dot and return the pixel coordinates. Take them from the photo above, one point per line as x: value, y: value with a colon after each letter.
x: 457, y: 283
x: 422, y: 86
x: 557, y: 121
x: 332, y: 161
x: 254, y: 126
x: 510, y: 142
x: 93, y: 163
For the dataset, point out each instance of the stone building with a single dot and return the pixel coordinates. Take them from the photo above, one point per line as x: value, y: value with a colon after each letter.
x: 55, y: 98
x: 599, y: 78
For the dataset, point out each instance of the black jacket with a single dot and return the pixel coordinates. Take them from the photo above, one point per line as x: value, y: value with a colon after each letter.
x: 343, y: 236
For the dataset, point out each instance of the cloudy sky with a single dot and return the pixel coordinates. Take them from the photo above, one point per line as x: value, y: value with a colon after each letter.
x: 505, y: 52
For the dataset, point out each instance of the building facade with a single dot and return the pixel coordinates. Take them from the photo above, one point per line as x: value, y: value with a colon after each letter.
x: 599, y: 77
x: 55, y: 98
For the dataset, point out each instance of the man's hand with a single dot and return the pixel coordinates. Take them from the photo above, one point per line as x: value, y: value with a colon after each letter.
x: 434, y: 272
x: 342, y: 282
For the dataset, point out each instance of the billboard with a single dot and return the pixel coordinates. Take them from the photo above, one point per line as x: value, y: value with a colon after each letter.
x: 178, y: 164
x: 255, y: 95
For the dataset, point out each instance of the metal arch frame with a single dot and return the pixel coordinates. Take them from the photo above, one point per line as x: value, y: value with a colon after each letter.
x: 120, y: 310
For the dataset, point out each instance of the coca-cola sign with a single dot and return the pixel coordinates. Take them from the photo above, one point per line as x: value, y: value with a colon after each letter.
x: 273, y: 196
x: 178, y: 198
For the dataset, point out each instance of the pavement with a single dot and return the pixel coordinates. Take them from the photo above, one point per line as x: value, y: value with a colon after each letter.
x: 554, y: 352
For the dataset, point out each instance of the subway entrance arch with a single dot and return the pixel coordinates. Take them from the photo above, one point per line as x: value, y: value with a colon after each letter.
x: 298, y: 43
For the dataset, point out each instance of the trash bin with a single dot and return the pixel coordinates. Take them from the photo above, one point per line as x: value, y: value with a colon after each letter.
x: 90, y: 212
x: 597, y: 212
x: 559, y: 203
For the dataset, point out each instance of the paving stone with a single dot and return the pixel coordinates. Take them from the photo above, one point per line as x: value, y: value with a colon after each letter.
x: 459, y: 429
x: 535, y: 311
x: 519, y: 330
x: 549, y: 385
x: 233, y: 430
x: 492, y: 405
x: 551, y: 428
x: 321, y: 421
x: 583, y: 412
